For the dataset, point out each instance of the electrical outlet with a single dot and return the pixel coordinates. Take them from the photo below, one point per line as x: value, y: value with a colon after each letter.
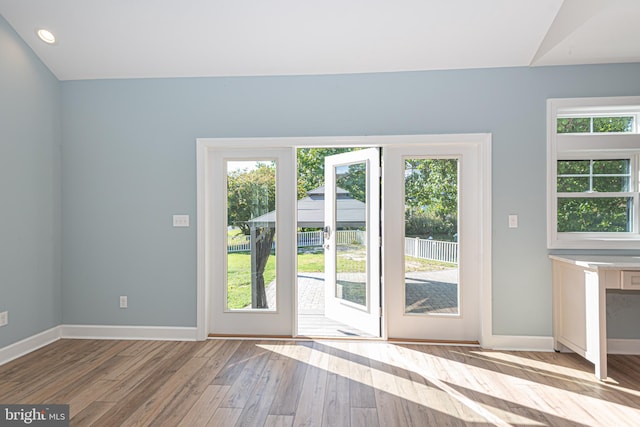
x: 181, y: 220
x: 4, y: 318
x: 513, y: 221
x: 124, y: 303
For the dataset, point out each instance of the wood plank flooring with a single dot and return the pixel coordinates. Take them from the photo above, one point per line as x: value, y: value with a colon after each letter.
x: 319, y: 383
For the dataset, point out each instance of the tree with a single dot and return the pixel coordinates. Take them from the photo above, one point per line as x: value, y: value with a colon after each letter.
x: 593, y: 214
x: 600, y: 124
x: 601, y: 214
x: 431, y: 196
x: 250, y: 193
x: 311, y: 172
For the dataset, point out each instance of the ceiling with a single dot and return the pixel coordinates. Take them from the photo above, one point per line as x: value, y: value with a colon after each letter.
x: 103, y: 39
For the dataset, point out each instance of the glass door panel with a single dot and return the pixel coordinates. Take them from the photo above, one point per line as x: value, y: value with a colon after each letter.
x: 351, y: 232
x: 431, y: 237
x: 251, y: 235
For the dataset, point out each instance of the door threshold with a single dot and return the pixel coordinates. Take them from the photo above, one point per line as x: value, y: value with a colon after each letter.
x: 343, y: 338
x: 290, y: 337
x: 337, y: 338
x: 433, y: 342
x: 250, y: 337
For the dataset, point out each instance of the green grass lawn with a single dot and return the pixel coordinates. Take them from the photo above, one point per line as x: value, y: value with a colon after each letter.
x: 239, y: 271
x: 239, y: 278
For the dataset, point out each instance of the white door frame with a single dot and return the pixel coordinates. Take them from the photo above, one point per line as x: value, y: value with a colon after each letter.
x: 204, y: 173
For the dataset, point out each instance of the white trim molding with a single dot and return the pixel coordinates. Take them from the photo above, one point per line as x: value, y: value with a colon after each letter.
x: 100, y: 332
x: 28, y: 345
x: 623, y: 346
x: 520, y: 343
x: 541, y: 343
x: 204, y: 146
x: 108, y: 332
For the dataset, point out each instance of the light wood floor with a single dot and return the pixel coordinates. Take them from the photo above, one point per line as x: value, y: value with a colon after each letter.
x: 333, y: 383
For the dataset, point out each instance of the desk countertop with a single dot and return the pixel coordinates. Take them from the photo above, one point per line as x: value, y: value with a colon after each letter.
x: 601, y: 262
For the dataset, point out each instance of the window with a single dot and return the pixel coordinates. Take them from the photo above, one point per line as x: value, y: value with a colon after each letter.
x: 596, y: 124
x: 593, y: 173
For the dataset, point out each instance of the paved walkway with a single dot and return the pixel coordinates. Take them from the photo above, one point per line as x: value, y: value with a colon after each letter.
x: 432, y: 291
x: 426, y: 292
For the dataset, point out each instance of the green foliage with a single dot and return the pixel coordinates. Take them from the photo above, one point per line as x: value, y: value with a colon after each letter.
x: 429, y: 224
x: 612, y: 124
x: 593, y: 175
x: 431, y: 187
x: 431, y: 197
x: 574, y: 125
x: 353, y: 178
x: 593, y: 214
x: 600, y: 124
x: 578, y: 214
x: 311, y: 172
x: 250, y: 193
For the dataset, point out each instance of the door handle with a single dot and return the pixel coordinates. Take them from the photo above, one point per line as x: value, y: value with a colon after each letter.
x: 326, y: 234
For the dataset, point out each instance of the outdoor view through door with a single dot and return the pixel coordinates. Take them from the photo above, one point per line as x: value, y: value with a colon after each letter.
x: 338, y: 230
x: 273, y: 264
x: 251, y: 234
x: 431, y: 236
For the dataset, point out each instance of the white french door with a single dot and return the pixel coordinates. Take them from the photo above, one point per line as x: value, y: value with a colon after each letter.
x: 252, y: 243
x: 270, y: 228
x: 426, y: 300
x: 351, y: 240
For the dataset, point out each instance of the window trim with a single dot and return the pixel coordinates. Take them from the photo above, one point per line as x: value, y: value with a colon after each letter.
x: 573, y: 146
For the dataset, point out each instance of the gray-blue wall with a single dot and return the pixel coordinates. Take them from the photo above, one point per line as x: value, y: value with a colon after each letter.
x: 30, y: 225
x: 128, y: 164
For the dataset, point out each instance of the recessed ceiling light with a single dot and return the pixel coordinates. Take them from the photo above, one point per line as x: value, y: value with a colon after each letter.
x: 46, y: 36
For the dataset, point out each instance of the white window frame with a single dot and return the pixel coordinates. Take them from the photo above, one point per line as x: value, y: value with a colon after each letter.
x: 592, y: 146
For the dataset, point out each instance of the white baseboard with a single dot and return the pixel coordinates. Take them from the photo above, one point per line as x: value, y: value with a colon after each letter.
x: 623, y: 346
x: 519, y: 343
x: 526, y: 343
x: 160, y: 333
x: 27, y: 345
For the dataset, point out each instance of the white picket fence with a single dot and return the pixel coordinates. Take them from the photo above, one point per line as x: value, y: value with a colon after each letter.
x: 435, y: 250
x: 418, y: 248
x: 305, y: 239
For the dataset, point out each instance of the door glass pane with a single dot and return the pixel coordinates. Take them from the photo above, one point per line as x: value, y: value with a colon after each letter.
x: 351, y: 230
x: 251, y: 235
x: 431, y: 236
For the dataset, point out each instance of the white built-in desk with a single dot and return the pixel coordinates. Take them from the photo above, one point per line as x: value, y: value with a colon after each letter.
x: 579, y: 301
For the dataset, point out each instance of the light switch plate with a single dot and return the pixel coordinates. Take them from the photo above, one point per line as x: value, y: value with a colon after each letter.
x: 4, y: 318
x: 513, y: 221
x: 181, y: 220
